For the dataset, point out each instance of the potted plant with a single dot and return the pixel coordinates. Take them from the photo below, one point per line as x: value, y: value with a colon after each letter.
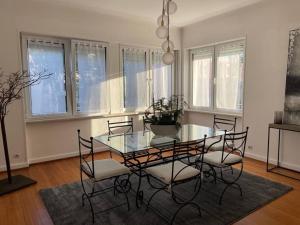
x: 164, y: 115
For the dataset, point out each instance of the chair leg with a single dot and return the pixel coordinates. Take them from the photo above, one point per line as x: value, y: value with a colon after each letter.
x: 82, y: 199
x: 125, y: 186
x: 150, y: 199
x: 223, y: 192
x: 183, y: 206
x: 92, y: 209
x: 232, y: 183
x: 91, y: 205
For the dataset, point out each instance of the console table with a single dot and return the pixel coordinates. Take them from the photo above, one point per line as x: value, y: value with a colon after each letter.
x: 280, y: 127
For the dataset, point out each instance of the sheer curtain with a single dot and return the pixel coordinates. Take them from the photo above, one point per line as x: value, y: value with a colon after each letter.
x: 229, y: 76
x: 202, y: 76
x: 48, y: 96
x: 135, y: 78
x: 90, y: 76
x: 162, y: 77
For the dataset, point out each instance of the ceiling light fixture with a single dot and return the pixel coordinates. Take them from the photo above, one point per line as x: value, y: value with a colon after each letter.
x: 163, y: 31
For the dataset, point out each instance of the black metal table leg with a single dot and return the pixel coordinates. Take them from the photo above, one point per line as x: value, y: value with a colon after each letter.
x: 139, y: 193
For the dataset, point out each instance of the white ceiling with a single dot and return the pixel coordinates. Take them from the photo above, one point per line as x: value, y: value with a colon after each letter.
x: 189, y: 11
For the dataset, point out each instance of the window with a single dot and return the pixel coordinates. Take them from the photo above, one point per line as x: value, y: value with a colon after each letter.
x: 145, y: 77
x: 135, y: 76
x: 88, y: 81
x: 49, y: 96
x: 90, y: 77
x: 229, y: 76
x: 162, y: 76
x: 202, y: 75
x: 217, y: 77
x: 81, y: 85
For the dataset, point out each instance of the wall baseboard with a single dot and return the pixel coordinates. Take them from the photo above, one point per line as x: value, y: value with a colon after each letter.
x: 61, y: 156
x: 273, y: 161
x: 101, y: 149
x: 14, y: 166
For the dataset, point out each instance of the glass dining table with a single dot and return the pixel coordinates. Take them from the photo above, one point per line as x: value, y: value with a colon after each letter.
x: 143, y: 149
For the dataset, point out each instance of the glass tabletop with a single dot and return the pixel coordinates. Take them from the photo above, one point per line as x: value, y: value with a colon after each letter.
x: 142, y: 140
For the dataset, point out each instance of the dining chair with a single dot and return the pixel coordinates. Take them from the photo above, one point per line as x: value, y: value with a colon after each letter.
x: 146, y: 123
x: 122, y: 127
x: 215, y: 144
x: 172, y: 174
x: 98, y: 171
x: 232, y: 154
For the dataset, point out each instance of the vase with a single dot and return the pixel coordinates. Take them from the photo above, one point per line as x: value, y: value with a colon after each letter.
x: 165, y: 130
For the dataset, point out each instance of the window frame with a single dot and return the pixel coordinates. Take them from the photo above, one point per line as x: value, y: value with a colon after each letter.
x: 121, y: 56
x: 70, y: 83
x: 212, y: 86
x: 150, y: 89
x: 213, y: 108
x: 151, y: 51
x: 73, y: 79
x: 27, y: 99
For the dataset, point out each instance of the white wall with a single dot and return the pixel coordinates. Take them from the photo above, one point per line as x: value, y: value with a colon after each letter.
x: 50, y: 140
x: 266, y: 26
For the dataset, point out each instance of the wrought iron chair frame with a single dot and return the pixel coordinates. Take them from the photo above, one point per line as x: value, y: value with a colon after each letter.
x: 145, y: 123
x: 223, y: 121
x: 119, y: 186
x: 114, y: 125
x: 179, y: 152
x: 229, y: 147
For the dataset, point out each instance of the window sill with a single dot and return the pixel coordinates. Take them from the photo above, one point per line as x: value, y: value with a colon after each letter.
x: 239, y: 115
x: 79, y: 117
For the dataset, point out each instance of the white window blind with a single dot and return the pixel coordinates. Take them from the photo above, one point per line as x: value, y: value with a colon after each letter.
x: 90, y: 77
x: 135, y: 78
x: 202, y: 76
x: 49, y: 96
x: 229, y: 76
x: 162, y: 76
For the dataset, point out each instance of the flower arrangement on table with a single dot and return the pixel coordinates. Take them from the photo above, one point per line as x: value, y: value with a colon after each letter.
x: 165, y: 111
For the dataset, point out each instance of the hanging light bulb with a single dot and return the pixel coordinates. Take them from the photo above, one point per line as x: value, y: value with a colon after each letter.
x: 162, y: 32
x: 168, y: 58
x: 167, y: 43
x: 172, y: 7
x: 162, y: 18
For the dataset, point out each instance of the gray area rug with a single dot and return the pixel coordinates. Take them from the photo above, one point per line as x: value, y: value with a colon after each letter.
x: 64, y: 204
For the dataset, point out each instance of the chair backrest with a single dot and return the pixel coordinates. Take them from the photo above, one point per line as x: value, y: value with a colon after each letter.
x: 185, y: 150
x: 127, y: 125
x: 86, y: 154
x: 224, y: 123
x: 234, y: 143
x: 146, y: 121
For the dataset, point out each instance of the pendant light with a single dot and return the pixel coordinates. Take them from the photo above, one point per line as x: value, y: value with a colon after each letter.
x: 163, y: 31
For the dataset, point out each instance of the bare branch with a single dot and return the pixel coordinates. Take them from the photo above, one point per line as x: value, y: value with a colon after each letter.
x: 11, y: 86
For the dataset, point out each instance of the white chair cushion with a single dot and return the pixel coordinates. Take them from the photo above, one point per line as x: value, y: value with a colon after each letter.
x: 209, y: 143
x: 218, y: 146
x: 164, y: 172
x: 106, y: 168
x: 215, y: 158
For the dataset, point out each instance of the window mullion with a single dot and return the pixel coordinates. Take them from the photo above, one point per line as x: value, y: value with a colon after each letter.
x: 214, y: 81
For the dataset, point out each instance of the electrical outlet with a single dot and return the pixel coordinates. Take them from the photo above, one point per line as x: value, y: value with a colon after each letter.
x: 16, y: 156
x: 250, y: 147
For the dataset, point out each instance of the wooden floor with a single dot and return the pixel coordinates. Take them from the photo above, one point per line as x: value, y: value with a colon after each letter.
x: 26, y: 207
